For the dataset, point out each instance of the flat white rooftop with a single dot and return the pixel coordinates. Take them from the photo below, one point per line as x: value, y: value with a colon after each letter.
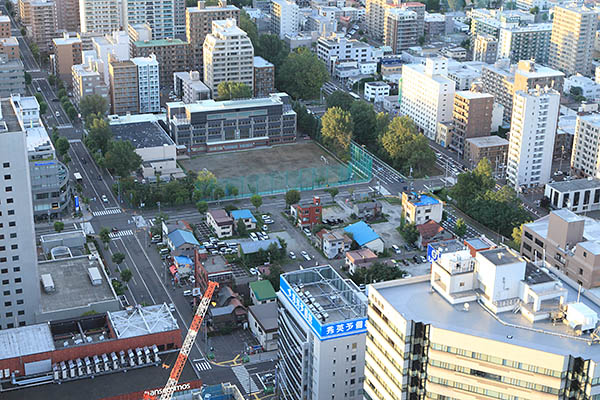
x: 414, y: 299
x: 25, y: 340
x: 142, y: 321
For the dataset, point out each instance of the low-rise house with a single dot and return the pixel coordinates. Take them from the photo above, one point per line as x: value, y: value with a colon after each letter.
x: 307, y: 213
x: 229, y: 310
x: 262, y: 292
x: 182, y: 241
x: 365, y: 236
x: 430, y: 232
x: 262, y: 320
x: 367, y: 211
x: 220, y: 222
x: 244, y: 215
x: 213, y: 268
x: 184, y: 267
x: 577, y: 195
x: 362, y: 258
x: 171, y: 226
x: 419, y: 208
x: 333, y: 243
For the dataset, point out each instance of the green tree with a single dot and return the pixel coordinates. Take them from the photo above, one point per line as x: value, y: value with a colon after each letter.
x: 118, y: 286
x: 307, y: 123
x: 409, y: 233
x: 126, y: 275
x: 340, y: 99
x: 471, y: 185
x: 272, y: 49
x: 27, y: 78
x: 256, y: 201
x: 407, y: 149
x: 461, y: 228
x: 205, y: 184
x: 121, y: 158
x: 104, y: 235
x: 273, y: 277
x: 248, y: 26
x: 332, y: 192
x: 52, y: 80
x: 99, y: 136
x: 336, y: 131
x: 302, y: 74
x: 241, y: 229
x: 93, y: 104
x: 62, y: 94
x: 118, y: 258
x: 421, y: 40
x: 23, y: 31
x: 233, y: 90
x: 71, y: 112
x: 377, y: 272
x: 534, y: 10
x: 292, y: 197
x: 59, y: 226
x: 62, y: 146
x: 35, y: 50
x: 517, y: 234
x: 202, y: 206
x: 456, y: 5
x: 218, y: 193
x: 364, y: 118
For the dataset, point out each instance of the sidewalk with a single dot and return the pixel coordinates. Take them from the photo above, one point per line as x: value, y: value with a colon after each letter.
x: 262, y: 357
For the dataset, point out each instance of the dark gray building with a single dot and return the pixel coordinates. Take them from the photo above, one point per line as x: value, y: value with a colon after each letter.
x: 12, y: 77
x: 211, y: 126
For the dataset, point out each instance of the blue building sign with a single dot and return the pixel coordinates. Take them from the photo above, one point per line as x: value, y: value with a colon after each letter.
x: 76, y: 198
x: 324, y: 332
x: 433, y: 254
x: 41, y: 164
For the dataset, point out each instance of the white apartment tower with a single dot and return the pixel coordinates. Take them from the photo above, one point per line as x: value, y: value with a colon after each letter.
x: 148, y: 83
x: 159, y: 14
x: 427, y: 94
x: 101, y: 16
x: 321, y: 336
x: 572, y: 42
x: 585, y: 158
x: 228, y: 55
x: 18, y: 257
x: 533, y: 128
x: 285, y: 18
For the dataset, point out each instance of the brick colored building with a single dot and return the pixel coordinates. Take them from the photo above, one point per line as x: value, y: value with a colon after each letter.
x: 171, y: 54
x: 67, y: 52
x: 5, y: 26
x: 39, y: 17
x: 264, y: 77
x: 307, y: 213
x: 10, y: 48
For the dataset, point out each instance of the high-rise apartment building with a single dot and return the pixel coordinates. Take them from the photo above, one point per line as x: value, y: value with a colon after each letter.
x: 18, y: 258
x: 228, y: 55
x: 148, y: 84
x: 321, y: 336
x: 264, y: 77
x: 485, y: 49
x: 5, y: 26
x: 198, y: 23
x: 189, y: 87
x: 487, y: 326
x: 67, y: 52
x: 87, y: 81
x: 530, y: 42
x: 67, y: 15
x: 115, y: 44
x: 502, y: 80
x: 159, y: 14
x: 400, y: 29
x: 124, y: 96
x: 285, y: 18
x: 585, y: 158
x: 572, y: 42
x: 171, y: 54
x: 12, y: 76
x: 427, y: 94
x: 335, y: 48
x: 101, y: 16
x: 39, y: 17
x: 179, y: 17
x: 471, y: 117
x: 376, y: 16
x: 532, y: 132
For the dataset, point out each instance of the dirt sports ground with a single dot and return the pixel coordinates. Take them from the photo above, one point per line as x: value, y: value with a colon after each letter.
x: 278, y: 168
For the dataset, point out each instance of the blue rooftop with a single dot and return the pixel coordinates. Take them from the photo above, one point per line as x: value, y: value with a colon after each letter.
x: 180, y: 237
x: 242, y: 214
x: 424, y: 200
x: 250, y: 247
x: 362, y: 233
x: 182, y: 260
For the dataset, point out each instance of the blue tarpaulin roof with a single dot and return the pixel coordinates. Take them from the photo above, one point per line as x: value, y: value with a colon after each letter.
x: 181, y: 260
x: 424, y: 200
x: 362, y: 233
x: 180, y: 237
x: 242, y: 214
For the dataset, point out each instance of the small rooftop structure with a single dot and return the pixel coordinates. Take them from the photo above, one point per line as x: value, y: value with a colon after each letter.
x: 220, y: 216
x: 263, y: 290
x: 25, y: 340
x: 362, y: 233
x: 142, y: 321
x: 242, y: 214
x: 68, y: 239
x: 420, y: 199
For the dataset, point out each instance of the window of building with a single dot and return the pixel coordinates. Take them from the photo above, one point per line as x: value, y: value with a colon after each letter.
x: 20, y: 301
x: 21, y: 312
x: 6, y: 165
x: 7, y: 177
x: 8, y: 189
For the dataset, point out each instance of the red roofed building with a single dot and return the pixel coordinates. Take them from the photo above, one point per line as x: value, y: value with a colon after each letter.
x: 430, y: 232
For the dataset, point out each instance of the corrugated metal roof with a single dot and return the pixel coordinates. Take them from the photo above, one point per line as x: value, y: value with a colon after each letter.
x: 25, y: 340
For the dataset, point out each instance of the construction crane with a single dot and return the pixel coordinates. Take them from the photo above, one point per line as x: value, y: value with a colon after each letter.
x: 188, y: 342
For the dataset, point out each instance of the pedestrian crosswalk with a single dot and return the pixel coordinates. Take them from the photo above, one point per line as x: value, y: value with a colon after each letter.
x: 244, y: 377
x: 126, y: 232
x: 108, y: 211
x: 202, y: 365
